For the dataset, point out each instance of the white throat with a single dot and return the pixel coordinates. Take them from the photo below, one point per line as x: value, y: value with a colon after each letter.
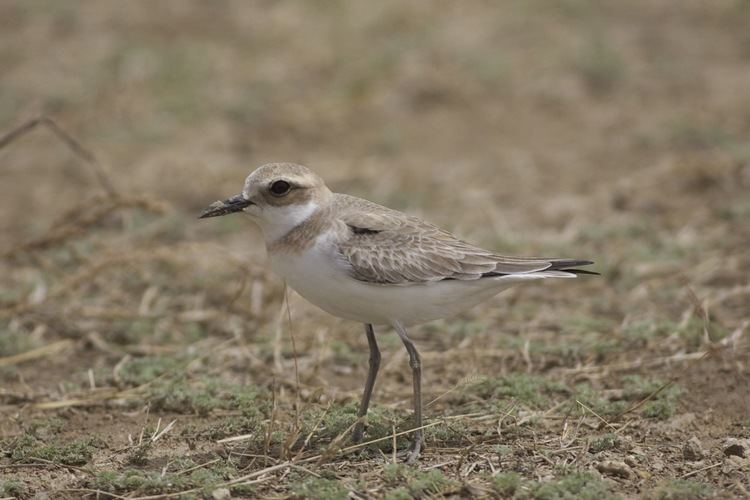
x: 276, y: 222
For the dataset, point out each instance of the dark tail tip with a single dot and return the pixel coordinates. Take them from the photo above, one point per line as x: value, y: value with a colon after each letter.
x: 570, y: 265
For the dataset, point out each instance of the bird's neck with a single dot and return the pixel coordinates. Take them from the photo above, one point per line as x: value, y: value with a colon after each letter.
x: 299, y: 232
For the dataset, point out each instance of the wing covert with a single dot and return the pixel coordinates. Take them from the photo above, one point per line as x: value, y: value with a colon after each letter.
x: 387, y: 247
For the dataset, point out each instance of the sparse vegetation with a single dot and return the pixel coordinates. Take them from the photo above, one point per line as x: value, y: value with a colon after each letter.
x: 143, y: 352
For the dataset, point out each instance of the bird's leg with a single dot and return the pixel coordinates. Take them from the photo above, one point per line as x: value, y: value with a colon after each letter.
x: 416, y: 373
x: 359, y: 427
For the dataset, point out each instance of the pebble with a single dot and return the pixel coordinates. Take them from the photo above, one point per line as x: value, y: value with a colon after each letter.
x: 221, y: 494
x: 614, y: 468
x: 736, y: 447
x: 692, y: 449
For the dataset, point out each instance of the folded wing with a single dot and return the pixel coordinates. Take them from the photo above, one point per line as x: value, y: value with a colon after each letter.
x: 387, y: 247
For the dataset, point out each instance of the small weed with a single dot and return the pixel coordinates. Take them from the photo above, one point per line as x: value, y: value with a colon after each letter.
x: 578, y: 485
x: 693, y: 332
x: 12, y: 488
x: 138, y: 455
x: 580, y: 324
x: 202, y: 396
x: 158, y: 482
x: 460, y: 330
x: 400, y: 493
x: 446, y: 434
x: 139, y: 481
x: 695, y: 135
x: 528, y: 389
x: 321, y: 489
x: 600, y: 67
x: 338, y: 419
x: 134, y: 331
x: 641, y: 332
x: 680, y: 489
x: 502, y: 450
x: 505, y: 484
x: 79, y: 452
x: 220, y: 429
x: 13, y: 342
x: 417, y: 483
x: 594, y: 400
x: 635, y: 389
x: 343, y: 353
x: 44, y: 428
x: 662, y: 405
x: 142, y: 370
x: 604, y: 442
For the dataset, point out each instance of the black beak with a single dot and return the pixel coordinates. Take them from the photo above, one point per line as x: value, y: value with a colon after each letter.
x: 231, y: 205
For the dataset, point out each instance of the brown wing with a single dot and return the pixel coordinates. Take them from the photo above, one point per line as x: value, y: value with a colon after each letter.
x: 385, y: 246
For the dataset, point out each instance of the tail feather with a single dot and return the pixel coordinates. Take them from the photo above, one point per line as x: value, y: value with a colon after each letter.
x: 558, y: 268
x: 570, y: 265
x: 581, y: 271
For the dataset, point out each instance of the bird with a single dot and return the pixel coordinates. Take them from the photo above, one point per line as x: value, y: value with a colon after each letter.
x: 365, y: 262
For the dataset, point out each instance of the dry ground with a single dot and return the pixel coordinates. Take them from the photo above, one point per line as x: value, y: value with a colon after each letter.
x: 144, y: 352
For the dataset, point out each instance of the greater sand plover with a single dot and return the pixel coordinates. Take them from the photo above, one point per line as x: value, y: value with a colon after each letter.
x: 364, y: 262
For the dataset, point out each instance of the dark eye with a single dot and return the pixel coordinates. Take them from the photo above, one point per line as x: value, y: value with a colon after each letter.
x: 280, y: 188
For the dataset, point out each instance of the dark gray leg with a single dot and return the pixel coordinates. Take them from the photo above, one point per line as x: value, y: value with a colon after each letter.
x: 416, y: 373
x: 359, y: 427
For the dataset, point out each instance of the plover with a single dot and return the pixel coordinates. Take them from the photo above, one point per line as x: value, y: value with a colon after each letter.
x: 364, y: 262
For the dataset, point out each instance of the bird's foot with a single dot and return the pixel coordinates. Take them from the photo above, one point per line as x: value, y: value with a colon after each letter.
x: 411, y: 455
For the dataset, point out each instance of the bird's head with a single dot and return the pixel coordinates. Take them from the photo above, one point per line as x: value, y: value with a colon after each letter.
x: 277, y: 196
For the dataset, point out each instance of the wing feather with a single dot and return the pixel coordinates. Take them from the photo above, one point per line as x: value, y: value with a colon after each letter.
x: 388, y: 247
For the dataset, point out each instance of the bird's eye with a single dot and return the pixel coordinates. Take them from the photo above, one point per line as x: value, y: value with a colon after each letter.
x: 280, y: 188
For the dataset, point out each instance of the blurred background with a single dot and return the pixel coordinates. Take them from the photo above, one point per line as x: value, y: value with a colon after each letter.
x: 616, y: 131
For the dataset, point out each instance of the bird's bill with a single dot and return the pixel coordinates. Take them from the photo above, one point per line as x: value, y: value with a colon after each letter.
x: 234, y: 204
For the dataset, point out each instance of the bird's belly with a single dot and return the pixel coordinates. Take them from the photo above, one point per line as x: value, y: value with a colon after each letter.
x: 325, y: 282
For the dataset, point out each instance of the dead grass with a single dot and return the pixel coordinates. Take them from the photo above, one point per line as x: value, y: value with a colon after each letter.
x: 144, y: 354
